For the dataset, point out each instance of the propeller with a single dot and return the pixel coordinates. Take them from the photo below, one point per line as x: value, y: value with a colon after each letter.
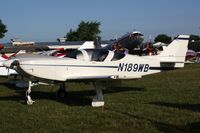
x: 14, y: 64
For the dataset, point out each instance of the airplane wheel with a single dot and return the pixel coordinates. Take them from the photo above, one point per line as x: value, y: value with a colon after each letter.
x: 61, y: 93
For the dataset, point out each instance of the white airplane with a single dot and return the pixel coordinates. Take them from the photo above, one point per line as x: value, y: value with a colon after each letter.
x: 97, y: 65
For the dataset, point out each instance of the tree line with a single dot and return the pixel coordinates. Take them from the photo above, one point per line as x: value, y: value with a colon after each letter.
x: 3, y: 29
x: 90, y: 30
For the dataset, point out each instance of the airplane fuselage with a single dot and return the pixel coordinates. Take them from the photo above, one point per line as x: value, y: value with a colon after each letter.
x: 64, y: 69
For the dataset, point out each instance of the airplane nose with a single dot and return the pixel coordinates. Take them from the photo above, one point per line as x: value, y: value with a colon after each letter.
x: 7, y: 63
x: 11, y: 63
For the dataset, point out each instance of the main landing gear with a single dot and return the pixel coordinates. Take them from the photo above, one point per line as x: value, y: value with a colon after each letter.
x: 61, y: 93
x: 98, y: 100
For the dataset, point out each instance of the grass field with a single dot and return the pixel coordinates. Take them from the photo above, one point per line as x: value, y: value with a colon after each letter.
x: 165, y: 102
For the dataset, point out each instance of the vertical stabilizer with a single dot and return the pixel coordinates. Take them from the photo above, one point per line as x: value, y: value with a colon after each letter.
x: 176, y: 51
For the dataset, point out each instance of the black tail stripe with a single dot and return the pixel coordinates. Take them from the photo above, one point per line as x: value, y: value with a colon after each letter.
x: 162, y: 68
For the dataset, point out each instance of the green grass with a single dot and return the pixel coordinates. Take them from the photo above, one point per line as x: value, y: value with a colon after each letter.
x: 164, y: 102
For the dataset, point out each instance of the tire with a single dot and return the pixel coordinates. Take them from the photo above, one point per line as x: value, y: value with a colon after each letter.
x: 61, y: 93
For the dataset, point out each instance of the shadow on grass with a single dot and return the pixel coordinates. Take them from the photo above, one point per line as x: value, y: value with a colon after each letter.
x: 189, y: 128
x: 165, y: 127
x: 191, y: 107
x: 73, y: 98
x: 193, y: 127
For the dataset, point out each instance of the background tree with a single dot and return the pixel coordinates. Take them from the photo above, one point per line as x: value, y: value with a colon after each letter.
x: 163, y: 38
x: 194, y: 43
x: 87, y: 31
x: 72, y: 35
x: 3, y: 29
x: 194, y: 38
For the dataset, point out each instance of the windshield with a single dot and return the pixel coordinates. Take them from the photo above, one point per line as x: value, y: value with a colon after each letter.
x: 98, y: 55
x: 118, y: 56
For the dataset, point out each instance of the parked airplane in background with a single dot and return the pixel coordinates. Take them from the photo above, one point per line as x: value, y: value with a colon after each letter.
x: 192, y: 57
x: 97, y: 65
x: 129, y: 41
x: 160, y: 44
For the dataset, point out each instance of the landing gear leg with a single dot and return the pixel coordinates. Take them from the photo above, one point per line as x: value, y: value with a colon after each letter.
x: 98, y: 100
x: 29, y: 100
x: 61, y: 93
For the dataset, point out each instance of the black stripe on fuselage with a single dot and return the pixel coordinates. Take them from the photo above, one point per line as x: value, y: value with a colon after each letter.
x: 71, y: 65
x: 162, y: 68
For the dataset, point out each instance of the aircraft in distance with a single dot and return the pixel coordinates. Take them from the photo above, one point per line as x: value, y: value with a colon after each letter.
x: 129, y: 41
x: 192, y: 57
x: 96, y: 65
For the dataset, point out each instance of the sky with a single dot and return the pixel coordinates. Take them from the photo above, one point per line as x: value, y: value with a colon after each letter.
x: 47, y: 20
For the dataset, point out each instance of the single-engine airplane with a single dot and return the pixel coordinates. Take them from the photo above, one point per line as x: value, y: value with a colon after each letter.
x: 97, y: 65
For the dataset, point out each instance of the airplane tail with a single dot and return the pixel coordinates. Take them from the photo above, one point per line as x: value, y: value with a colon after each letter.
x: 175, y: 52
